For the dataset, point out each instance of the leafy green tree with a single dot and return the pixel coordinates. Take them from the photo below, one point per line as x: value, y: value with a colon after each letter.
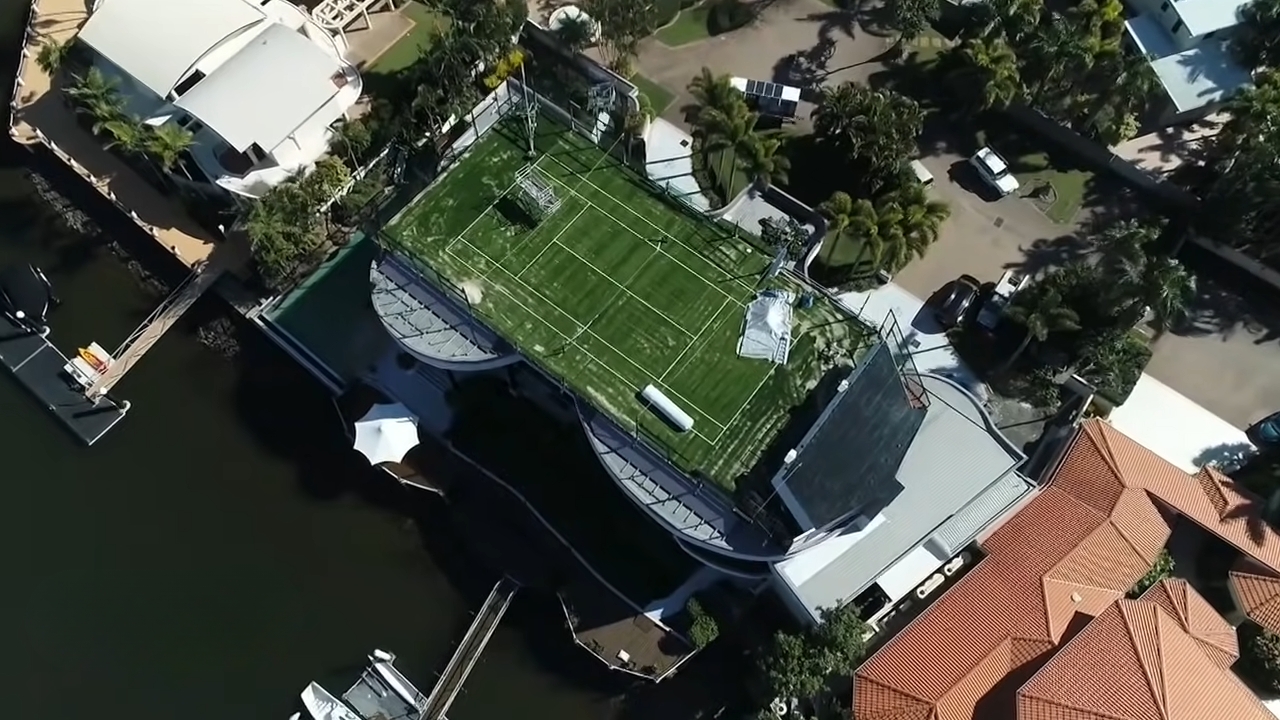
x: 703, y: 629
x: 876, y: 129
x: 51, y: 56
x: 623, y: 24
x: 921, y: 215
x: 1162, y: 568
x: 166, y: 143
x: 799, y: 665
x: 352, y: 140
x: 284, y: 225
x: 1257, y: 39
x: 1041, y: 313
x: 764, y: 163
x: 987, y: 75
x: 1260, y: 656
x: 911, y: 17
x: 1006, y: 20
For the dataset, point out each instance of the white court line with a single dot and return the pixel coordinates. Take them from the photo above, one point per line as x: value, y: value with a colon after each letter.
x: 582, y: 328
x: 622, y: 286
x: 484, y: 212
x: 651, y: 224
x: 614, y: 218
x: 693, y: 342
x: 548, y: 246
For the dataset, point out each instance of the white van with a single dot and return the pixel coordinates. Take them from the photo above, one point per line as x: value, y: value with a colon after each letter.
x: 922, y: 173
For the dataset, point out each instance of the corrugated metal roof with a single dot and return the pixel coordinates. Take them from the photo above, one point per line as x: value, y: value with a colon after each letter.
x: 266, y: 91
x: 944, y: 491
x: 158, y: 41
x: 1084, y: 540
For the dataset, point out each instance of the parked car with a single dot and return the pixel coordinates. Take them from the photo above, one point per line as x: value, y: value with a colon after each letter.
x: 954, y: 303
x: 26, y: 296
x: 1008, y: 286
x: 994, y: 171
x: 1265, y: 432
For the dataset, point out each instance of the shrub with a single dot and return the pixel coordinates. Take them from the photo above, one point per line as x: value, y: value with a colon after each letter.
x: 505, y: 66
x: 702, y: 627
x: 1160, y: 569
x: 1260, y: 656
x: 729, y: 15
x: 636, y: 119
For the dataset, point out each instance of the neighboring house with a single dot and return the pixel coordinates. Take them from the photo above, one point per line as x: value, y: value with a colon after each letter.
x: 1187, y: 42
x: 1040, y: 628
x: 259, y: 83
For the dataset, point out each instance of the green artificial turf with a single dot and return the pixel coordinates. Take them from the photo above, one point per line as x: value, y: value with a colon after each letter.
x: 660, y: 98
x: 618, y: 289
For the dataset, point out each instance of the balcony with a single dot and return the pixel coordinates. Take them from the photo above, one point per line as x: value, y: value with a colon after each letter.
x: 429, y: 324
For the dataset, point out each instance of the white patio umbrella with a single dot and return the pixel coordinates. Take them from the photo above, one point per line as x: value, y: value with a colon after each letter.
x: 386, y: 433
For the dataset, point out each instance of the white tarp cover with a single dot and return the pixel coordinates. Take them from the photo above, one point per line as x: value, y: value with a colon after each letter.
x: 158, y: 41
x: 386, y: 433
x: 324, y: 706
x: 766, y: 331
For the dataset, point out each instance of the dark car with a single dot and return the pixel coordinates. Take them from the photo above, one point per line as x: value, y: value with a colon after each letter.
x: 955, y: 300
x: 1265, y: 432
x: 26, y: 296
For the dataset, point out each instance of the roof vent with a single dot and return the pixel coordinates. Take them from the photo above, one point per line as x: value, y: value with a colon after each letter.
x: 1075, y: 597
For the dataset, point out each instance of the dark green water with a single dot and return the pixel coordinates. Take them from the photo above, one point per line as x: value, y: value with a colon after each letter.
x: 210, y: 556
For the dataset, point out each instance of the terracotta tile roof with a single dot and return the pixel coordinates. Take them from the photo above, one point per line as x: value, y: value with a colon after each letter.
x: 1067, y: 557
x: 1140, y: 661
x: 1198, y: 618
x: 1257, y: 591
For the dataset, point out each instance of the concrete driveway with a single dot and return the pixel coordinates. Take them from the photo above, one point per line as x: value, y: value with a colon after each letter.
x: 840, y: 47
x: 984, y: 237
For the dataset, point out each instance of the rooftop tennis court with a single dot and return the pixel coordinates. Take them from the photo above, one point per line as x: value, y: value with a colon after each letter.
x: 616, y: 289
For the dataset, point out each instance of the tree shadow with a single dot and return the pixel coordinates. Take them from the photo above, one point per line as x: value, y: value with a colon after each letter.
x: 1225, y: 457
x: 1047, y: 254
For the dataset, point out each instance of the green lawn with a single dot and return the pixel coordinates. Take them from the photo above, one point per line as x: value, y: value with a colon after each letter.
x: 1033, y: 164
x: 660, y: 98
x: 427, y: 24
x: 690, y: 26
x: 616, y: 290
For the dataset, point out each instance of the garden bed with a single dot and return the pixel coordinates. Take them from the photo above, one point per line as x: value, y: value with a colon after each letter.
x: 690, y: 26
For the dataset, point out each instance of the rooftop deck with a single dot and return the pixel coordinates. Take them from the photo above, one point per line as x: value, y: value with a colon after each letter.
x: 617, y: 289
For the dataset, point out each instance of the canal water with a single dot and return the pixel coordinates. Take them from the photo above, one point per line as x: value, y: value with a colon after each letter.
x: 214, y: 553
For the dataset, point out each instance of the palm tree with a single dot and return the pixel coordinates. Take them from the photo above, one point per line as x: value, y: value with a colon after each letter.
x: 713, y: 91
x: 577, y: 33
x: 839, y: 105
x: 838, y: 210
x: 990, y: 73
x: 127, y: 133
x: 921, y: 216
x: 1010, y: 20
x: 763, y: 163
x: 96, y: 94
x: 52, y: 54
x: 167, y: 142
x: 731, y: 129
x: 1163, y: 287
x: 873, y: 231
x: 1041, y: 314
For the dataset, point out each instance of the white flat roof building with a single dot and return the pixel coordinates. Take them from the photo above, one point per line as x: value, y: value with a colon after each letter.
x: 158, y: 42
x: 258, y: 82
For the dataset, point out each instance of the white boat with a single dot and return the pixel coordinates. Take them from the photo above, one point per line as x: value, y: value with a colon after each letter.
x: 381, y: 692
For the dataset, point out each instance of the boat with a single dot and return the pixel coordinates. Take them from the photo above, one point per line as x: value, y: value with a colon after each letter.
x: 381, y: 693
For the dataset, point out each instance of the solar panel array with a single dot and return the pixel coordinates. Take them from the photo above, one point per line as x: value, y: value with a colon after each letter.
x: 760, y: 88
